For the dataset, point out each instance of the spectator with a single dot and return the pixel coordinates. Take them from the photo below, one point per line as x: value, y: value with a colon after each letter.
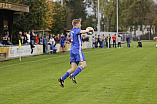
x: 99, y: 41
x: 87, y: 38
x: 69, y: 39
x: 44, y: 43
x: 114, y: 40
x: 36, y: 39
x: 104, y: 41
x: 1, y: 45
x: 56, y: 40
x: 52, y: 48
x: 9, y: 42
x: 96, y: 41
x: 83, y: 38
x: 119, y: 41
x: 108, y: 44
x: 32, y: 35
x: 50, y: 36
x: 63, y: 39
x: 20, y: 36
x: 93, y: 42
x: 128, y: 41
x: 109, y: 40
x: 51, y: 41
x: 6, y: 40
x: 40, y: 39
x: 24, y: 38
x: 28, y: 37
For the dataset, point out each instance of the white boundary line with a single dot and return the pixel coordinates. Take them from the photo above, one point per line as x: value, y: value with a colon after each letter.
x: 100, y: 51
x: 44, y: 59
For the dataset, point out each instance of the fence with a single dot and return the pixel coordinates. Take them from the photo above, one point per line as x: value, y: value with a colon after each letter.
x: 12, y: 52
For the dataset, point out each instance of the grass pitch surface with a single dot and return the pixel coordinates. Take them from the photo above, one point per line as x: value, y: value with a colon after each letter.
x: 112, y: 76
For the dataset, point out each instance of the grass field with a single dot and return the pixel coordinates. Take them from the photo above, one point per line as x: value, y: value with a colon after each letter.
x: 112, y: 76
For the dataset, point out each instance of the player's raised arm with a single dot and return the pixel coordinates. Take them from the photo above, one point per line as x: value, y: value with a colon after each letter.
x: 86, y: 31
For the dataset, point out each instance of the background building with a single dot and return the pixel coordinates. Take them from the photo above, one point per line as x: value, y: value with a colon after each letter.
x: 7, y: 16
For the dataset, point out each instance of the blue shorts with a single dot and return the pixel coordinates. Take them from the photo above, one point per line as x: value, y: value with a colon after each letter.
x: 76, y: 56
x: 62, y: 45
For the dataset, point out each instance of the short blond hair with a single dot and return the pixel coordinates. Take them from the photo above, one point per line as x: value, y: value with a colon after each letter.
x: 75, y: 21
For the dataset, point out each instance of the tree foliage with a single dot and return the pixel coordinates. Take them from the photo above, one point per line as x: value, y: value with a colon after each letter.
x: 58, y: 15
x: 50, y: 15
x: 37, y: 18
x: 76, y: 10
x: 131, y: 13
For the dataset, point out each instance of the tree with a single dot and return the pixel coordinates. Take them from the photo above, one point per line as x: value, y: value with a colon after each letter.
x: 58, y: 16
x: 108, y: 9
x: 78, y: 9
x: 37, y: 18
x: 154, y: 12
x: 134, y: 13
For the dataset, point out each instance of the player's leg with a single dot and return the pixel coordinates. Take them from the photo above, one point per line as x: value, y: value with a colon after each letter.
x: 77, y: 71
x: 80, y: 58
x: 63, y: 48
x: 73, y: 68
x: 80, y: 68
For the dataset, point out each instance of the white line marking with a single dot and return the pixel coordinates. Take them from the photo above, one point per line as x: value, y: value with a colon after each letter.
x: 47, y: 59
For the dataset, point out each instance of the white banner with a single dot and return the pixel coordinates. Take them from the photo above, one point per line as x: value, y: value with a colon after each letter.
x: 15, y: 51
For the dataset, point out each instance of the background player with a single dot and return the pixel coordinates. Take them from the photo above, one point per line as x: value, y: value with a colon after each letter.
x: 76, y: 54
x: 63, y: 39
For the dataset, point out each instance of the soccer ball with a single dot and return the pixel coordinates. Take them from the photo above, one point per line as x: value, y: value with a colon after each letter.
x: 90, y: 33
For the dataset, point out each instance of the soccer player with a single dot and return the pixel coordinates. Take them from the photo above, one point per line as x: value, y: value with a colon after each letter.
x: 76, y: 54
x: 63, y: 39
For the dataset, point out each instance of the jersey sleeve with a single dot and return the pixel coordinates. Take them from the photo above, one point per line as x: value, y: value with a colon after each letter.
x: 78, y: 31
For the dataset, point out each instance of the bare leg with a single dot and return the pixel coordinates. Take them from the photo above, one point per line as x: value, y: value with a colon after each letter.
x: 73, y: 67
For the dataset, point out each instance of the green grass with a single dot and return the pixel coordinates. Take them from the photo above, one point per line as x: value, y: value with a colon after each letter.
x: 112, y: 76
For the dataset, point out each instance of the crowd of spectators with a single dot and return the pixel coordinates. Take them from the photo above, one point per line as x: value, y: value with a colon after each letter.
x: 30, y: 38
x: 6, y: 41
x: 105, y: 41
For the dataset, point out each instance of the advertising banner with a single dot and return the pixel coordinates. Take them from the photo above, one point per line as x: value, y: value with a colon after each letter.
x: 86, y: 45
x: 4, y: 52
x: 15, y: 51
x: 67, y: 46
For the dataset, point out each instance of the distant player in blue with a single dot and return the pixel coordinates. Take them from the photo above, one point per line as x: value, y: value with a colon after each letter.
x: 52, y: 48
x: 63, y: 39
x: 76, y: 54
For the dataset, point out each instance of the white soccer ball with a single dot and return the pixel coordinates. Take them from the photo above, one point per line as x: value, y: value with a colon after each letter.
x: 90, y: 33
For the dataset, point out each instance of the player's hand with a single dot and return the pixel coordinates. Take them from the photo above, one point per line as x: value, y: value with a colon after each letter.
x: 90, y: 30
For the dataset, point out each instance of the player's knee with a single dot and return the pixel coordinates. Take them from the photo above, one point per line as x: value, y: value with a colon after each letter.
x: 84, y: 65
x: 71, y: 70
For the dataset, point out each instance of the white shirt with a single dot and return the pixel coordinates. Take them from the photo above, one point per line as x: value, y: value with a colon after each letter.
x: 52, y: 41
x: 28, y: 37
x: 93, y: 40
x: 119, y: 39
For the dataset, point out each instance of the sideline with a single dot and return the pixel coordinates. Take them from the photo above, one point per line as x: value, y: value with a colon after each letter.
x: 99, y: 51
x: 46, y: 59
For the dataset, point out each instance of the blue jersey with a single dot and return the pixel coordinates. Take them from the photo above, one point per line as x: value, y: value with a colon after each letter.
x: 63, y: 39
x: 44, y: 41
x: 76, y: 39
x: 76, y: 54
